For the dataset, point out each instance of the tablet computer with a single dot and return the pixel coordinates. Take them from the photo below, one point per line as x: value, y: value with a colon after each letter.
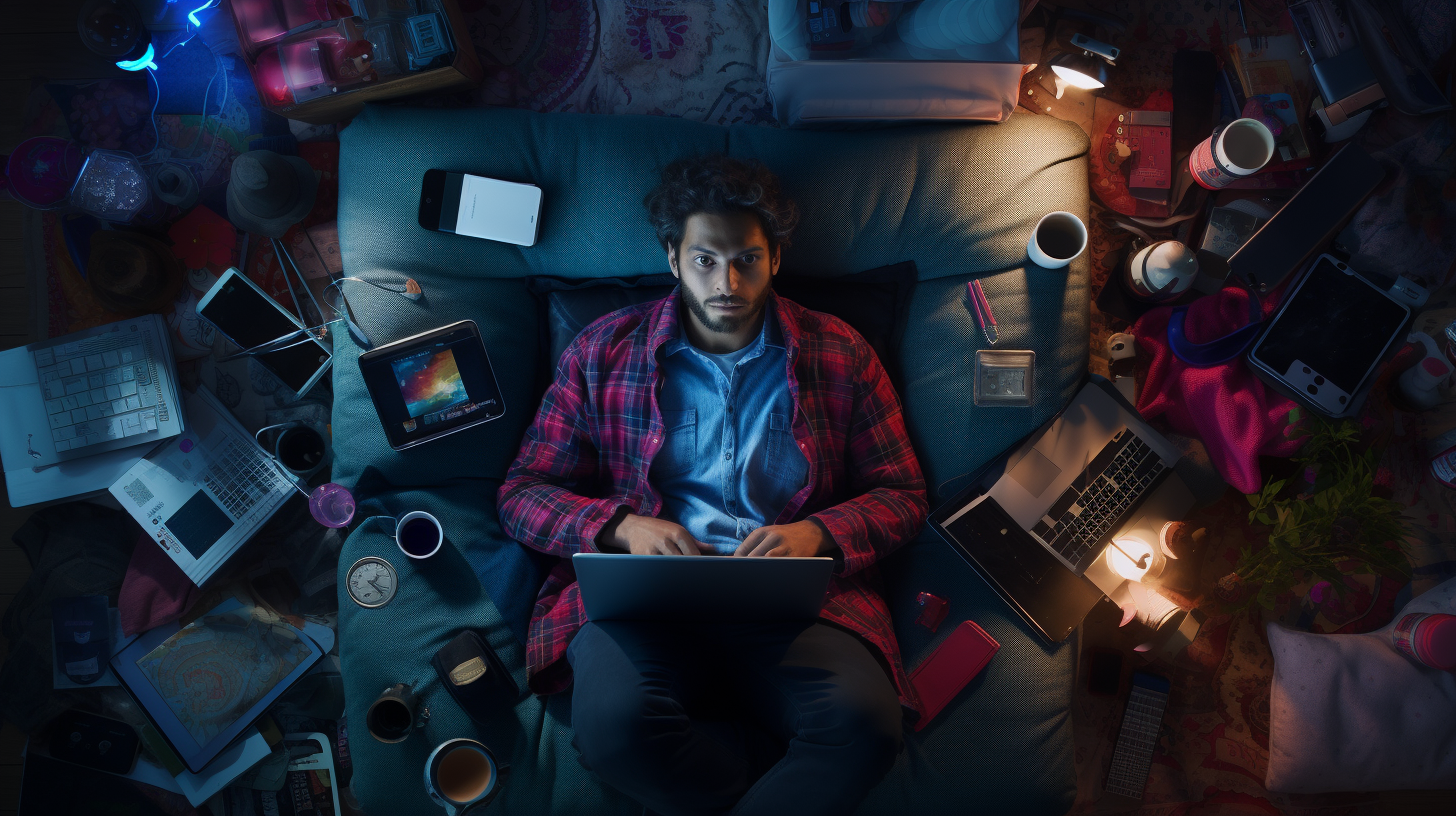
x: 432, y: 384
x: 1333, y: 330
x: 205, y: 683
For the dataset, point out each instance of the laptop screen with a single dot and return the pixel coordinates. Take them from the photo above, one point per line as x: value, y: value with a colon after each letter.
x: 199, y: 523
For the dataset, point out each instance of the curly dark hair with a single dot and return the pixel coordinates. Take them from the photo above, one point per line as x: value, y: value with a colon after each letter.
x: 717, y: 185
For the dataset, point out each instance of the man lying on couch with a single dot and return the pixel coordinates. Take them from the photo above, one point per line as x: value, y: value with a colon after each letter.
x: 722, y: 420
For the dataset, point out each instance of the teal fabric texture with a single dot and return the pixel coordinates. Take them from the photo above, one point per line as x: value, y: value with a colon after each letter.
x: 959, y: 200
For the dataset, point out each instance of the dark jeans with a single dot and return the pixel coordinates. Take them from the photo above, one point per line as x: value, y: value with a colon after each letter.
x: 694, y: 720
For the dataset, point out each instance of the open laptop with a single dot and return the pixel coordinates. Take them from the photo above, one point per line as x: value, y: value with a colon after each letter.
x: 203, y: 494
x: 1038, y: 534
x: 618, y: 586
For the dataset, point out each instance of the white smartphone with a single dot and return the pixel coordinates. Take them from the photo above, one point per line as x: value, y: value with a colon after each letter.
x: 248, y: 317
x: 1326, y: 343
x: 480, y: 207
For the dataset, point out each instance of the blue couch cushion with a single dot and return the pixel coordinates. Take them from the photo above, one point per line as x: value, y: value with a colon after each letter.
x: 957, y: 200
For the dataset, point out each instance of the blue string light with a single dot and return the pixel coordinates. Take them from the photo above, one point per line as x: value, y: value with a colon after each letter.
x: 140, y: 63
x: 192, y: 15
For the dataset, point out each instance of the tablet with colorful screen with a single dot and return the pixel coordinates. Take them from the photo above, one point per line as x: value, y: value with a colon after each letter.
x: 432, y: 384
x: 205, y: 683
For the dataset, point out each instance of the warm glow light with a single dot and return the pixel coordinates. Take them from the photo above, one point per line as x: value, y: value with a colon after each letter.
x: 1077, y: 79
x: 1123, y: 556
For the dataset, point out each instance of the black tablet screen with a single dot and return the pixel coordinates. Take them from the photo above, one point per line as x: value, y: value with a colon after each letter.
x: 1336, y: 323
x: 432, y: 385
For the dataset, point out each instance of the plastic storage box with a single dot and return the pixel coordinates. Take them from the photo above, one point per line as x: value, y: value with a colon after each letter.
x: 920, y: 60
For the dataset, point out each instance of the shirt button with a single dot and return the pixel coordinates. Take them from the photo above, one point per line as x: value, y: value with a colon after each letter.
x: 728, y: 455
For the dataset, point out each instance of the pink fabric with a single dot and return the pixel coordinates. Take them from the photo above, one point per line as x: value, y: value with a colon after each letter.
x: 155, y: 590
x: 1232, y: 411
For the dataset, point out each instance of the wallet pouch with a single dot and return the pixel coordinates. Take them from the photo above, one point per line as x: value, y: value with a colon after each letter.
x: 475, y: 677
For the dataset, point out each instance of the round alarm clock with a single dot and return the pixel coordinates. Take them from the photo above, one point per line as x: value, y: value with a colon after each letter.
x: 372, y: 582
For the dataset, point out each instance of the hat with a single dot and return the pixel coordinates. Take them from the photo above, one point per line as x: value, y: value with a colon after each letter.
x: 269, y: 193
x: 131, y: 272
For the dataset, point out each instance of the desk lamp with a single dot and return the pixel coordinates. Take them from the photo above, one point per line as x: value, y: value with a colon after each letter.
x: 1086, y: 66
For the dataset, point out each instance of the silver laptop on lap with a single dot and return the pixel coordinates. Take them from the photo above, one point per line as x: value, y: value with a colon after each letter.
x: 618, y: 586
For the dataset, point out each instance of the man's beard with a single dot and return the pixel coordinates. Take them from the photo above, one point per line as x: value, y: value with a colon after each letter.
x: 725, y: 324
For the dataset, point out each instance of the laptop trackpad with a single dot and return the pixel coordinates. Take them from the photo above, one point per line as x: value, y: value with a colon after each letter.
x: 1035, y: 472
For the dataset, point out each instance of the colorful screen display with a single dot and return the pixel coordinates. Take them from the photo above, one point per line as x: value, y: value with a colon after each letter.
x: 431, y: 384
x: 429, y: 381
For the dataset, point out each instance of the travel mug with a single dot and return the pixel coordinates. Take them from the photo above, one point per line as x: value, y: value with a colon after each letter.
x: 1240, y: 148
x: 391, y: 717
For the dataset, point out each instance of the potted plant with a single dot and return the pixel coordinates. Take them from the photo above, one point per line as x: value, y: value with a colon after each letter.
x: 1320, y: 523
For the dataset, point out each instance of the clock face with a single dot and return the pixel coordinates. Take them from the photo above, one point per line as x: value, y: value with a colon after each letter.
x: 372, y: 582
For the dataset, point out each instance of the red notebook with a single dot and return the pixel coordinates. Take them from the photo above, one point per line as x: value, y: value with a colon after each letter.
x: 950, y: 667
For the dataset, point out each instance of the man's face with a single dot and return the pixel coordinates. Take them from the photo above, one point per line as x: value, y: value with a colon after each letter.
x: 726, y: 273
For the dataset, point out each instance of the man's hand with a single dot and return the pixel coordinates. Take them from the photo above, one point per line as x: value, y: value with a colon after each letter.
x: 645, y: 535
x: 802, y: 539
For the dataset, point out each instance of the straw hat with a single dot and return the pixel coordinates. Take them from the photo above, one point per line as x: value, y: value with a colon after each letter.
x: 269, y: 193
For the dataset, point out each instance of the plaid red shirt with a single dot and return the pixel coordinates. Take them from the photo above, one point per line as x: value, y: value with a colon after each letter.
x: 587, y: 455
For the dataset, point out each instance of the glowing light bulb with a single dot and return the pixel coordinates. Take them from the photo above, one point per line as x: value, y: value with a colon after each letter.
x: 1130, y: 558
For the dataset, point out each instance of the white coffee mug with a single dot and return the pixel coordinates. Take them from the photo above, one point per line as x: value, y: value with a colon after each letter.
x: 419, y: 534
x: 1059, y: 237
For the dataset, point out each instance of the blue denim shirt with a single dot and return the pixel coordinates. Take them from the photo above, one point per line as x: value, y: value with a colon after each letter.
x: 728, y: 463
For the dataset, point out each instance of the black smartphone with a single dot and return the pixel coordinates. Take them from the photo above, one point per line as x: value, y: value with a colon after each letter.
x: 480, y: 207
x: 248, y: 317
x: 96, y: 742
x: 432, y: 384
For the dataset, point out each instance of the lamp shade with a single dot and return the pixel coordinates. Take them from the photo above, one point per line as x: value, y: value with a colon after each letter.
x: 1079, y: 70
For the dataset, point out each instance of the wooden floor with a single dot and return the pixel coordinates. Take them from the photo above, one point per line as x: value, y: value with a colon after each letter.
x: 38, y: 42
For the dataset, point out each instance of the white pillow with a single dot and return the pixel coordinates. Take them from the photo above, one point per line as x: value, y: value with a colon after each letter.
x: 1350, y: 713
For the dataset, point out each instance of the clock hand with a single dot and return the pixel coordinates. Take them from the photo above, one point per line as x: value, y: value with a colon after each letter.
x: 374, y: 583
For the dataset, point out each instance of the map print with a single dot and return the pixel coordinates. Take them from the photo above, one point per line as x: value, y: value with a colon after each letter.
x: 217, y: 667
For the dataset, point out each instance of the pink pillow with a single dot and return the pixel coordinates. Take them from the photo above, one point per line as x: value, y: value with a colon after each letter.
x: 1349, y: 713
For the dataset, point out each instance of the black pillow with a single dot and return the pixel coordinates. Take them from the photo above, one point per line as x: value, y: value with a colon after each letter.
x: 875, y: 303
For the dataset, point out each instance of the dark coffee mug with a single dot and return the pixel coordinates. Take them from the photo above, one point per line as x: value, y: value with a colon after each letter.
x: 301, y: 449
x: 419, y: 534
x: 391, y: 717
x: 461, y: 775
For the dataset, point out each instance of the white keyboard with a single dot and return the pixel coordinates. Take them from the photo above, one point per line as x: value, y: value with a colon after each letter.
x: 240, y: 476
x: 96, y: 391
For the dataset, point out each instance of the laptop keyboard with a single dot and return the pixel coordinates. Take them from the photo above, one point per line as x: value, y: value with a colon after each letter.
x: 96, y: 392
x: 1101, y: 497
x: 240, y: 476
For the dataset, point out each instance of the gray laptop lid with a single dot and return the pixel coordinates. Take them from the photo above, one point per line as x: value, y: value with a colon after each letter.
x: 700, y: 587
x: 1046, y: 465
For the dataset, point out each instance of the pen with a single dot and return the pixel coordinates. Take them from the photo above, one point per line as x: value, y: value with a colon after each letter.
x: 982, y: 307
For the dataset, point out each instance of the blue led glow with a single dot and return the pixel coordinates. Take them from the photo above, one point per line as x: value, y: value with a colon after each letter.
x: 144, y: 61
x: 192, y: 15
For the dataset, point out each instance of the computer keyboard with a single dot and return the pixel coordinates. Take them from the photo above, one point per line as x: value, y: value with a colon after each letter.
x: 96, y: 390
x: 1101, y: 497
x: 240, y: 475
